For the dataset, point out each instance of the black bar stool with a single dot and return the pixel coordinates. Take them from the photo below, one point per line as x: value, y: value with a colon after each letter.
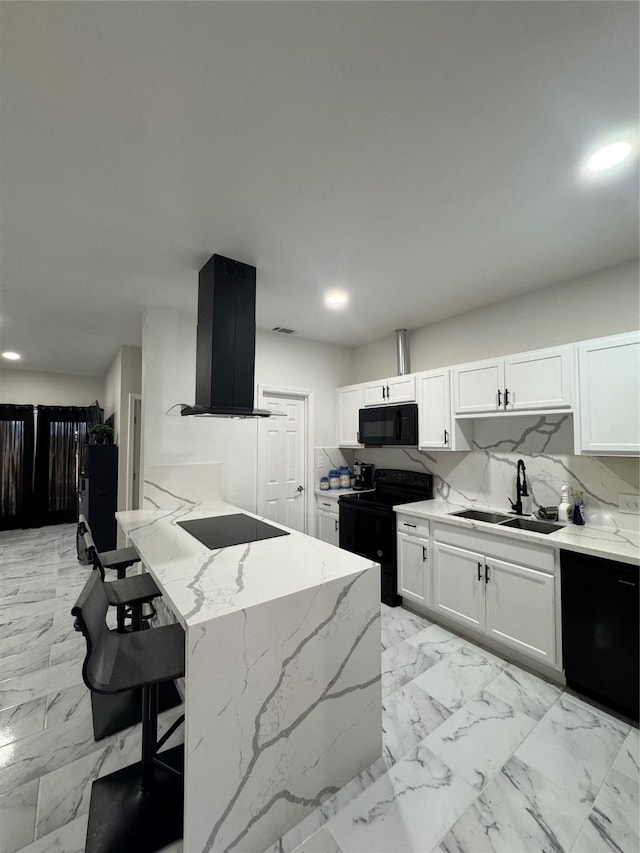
x: 112, y: 713
x: 138, y: 809
x: 119, y: 560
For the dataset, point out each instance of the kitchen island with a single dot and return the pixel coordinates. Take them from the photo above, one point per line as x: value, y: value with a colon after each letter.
x: 282, y: 684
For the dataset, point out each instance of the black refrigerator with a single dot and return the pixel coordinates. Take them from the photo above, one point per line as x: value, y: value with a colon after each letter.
x: 98, y: 495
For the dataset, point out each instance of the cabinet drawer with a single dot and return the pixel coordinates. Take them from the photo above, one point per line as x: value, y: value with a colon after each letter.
x: 412, y: 526
x: 508, y: 549
x: 329, y: 505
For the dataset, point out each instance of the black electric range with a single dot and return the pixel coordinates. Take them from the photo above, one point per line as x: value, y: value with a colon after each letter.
x: 221, y: 531
x: 368, y: 522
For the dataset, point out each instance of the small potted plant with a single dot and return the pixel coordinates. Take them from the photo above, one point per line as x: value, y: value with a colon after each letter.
x: 101, y: 434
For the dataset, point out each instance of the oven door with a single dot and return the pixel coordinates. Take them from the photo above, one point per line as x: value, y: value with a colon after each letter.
x: 389, y: 426
x: 370, y: 532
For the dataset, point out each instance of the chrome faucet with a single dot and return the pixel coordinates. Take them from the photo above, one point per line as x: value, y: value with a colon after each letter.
x: 521, y: 489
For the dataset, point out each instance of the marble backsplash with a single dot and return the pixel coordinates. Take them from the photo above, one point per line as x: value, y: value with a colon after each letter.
x: 486, y: 475
x: 175, y: 486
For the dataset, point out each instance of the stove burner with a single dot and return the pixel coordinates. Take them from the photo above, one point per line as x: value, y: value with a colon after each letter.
x: 222, y: 531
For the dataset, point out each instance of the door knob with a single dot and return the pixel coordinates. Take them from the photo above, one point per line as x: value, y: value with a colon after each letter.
x: 300, y: 489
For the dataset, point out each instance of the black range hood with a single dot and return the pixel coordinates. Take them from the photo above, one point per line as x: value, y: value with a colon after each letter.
x: 226, y: 341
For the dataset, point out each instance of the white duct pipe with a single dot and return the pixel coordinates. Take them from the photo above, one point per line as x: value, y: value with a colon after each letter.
x: 402, y: 352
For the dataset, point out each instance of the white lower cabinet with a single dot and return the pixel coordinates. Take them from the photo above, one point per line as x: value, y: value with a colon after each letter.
x: 413, y: 568
x: 327, y: 520
x: 520, y: 608
x: 485, y: 584
x: 458, y: 581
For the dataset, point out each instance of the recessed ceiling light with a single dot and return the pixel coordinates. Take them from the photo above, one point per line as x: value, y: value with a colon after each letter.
x: 336, y: 299
x: 12, y: 356
x: 609, y: 156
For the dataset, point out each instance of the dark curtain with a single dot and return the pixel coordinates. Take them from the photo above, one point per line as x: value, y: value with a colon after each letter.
x: 61, y: 437
x: 16, y: 466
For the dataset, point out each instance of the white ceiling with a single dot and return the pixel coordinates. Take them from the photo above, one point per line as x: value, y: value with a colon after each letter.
x: 424, y: 156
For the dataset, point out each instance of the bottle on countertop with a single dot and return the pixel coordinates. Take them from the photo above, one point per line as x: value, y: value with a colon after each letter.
x: 334, y: 479
x: 324, y: 483
x: 565, y: 507
x: 578, y: 509
x: 345, y: 477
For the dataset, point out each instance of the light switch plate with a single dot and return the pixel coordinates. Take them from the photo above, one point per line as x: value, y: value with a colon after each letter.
x: 629, y: 503
x: 320, y: 462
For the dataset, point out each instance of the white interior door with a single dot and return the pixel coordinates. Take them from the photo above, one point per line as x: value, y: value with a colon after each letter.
x: 281, y: 461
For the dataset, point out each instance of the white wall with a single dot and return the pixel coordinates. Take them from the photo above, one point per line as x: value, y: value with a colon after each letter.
x: 168, y: 377
x: 49, y: 389
x: 603, y: 303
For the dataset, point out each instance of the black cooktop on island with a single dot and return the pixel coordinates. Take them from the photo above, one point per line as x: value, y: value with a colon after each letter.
x: 221, y: 531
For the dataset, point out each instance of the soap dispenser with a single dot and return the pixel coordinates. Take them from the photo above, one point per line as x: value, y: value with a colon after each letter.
x: 565, y: 507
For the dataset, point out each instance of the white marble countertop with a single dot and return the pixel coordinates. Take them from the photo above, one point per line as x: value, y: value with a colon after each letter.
x: 610, y: 543
x: 202, y: 584
x: 336, y: 493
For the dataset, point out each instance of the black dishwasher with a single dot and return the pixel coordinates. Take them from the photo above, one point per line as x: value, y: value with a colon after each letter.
x: 600, y: 625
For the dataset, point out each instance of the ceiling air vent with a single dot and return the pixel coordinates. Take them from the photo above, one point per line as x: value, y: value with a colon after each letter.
x: 283, y: 331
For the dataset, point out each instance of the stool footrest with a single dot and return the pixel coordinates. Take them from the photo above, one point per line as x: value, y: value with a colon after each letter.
x: 125, y: 819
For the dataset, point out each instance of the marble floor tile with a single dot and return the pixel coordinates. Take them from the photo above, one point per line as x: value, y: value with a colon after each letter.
x: 408, y: 716
x: 402, y: 663
x: 331, y: 806
x: 18, y: 817
x: 518, y: 812
x: 26, y: 661
x: 33, y: 756
x: 18, y: 642
x: 628, y: 760
x: 320, y: 842
x: 26, y: 625
x: 70, y: 838
x: 614, y: 822
x: 64, y: 706
x: 525, y: 692
x: 437, y: 641
x: 479, y: 738
x: 573, y: 747
x: 15, y: 691
x: 21, y: 596
x: 460, y: 676
x: 72, y: 650
x: 11, y: 613
x: 409, y: 809
x: 22, y: 721
x: 398, y: 624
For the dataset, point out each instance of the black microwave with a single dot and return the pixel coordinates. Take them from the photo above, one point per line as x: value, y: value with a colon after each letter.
x: 389, y: 426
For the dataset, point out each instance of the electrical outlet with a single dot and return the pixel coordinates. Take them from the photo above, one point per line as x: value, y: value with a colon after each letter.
x: 629, y: 503
x: 320, y: 462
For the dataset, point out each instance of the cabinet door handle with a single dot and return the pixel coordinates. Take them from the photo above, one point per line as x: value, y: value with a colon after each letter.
x: 424, y: 554
x: 446, y: 437
x: 486, y: 574
x: 388, y: 394
x: 358, y: 437
x: 479, y: 571
x: 336, y: 524
x: 329, y: 505
x: 406, y: 524
x: 384, y: 395
x: 626, y: 583
x: 506, y: 397
x: 499, y: 398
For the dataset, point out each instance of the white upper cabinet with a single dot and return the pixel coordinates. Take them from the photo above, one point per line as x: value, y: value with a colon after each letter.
x: 479, y: 387
x: 609, y: 396
x: 396, y: 389
x: 435, y: 428
x: 538, y: 380
x: 526, y: 382
x: 348, y: 405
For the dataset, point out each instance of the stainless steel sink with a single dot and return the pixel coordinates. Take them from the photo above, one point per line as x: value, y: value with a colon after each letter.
x: 531, y: 524
x: 481, y: 515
